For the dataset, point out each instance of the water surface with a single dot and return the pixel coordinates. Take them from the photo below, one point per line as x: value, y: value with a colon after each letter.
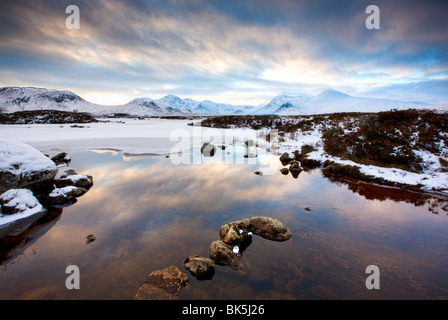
x: 148, y: 214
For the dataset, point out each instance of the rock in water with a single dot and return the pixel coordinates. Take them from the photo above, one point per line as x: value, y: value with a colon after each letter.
x: 200, y: 267
x: 162, y: 284
x: 90, y: 238
x: 285, y: 158
x: 66, y: 195
x: 266, y: 227
x: 61, y: 158
x: 223, y: 254
x: 269, y: 228
x: 208, y: 150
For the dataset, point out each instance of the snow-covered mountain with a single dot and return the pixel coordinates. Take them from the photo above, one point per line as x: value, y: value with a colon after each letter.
x: 25, y: 98
x: 14, y: 99
x: 331, y: 101
x: 206, y: 106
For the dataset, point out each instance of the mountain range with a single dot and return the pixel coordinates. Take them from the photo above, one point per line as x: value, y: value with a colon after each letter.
x: 329, y: 101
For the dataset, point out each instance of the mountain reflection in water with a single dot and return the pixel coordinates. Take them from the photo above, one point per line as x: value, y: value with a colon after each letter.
x: 147, y: 214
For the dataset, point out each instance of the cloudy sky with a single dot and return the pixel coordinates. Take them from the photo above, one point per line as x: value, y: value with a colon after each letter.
x: 233, y: 51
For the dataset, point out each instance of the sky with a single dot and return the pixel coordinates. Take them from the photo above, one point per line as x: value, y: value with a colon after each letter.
x: 232, y: 51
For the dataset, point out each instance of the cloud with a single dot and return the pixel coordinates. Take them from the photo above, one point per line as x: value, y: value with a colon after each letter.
x: 221, y: 49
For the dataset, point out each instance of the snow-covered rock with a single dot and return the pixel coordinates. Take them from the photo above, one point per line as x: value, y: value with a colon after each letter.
x: 17, y: 205
x: 65, y: 195
x: 22, y: 166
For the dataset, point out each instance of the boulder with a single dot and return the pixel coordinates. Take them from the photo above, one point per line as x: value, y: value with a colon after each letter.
x: 61, y: 158
x: 223, y: 254
x: 18, y: 210
x: 295, y: 167
x: 266, y: 227
x: 269, y: 228
x: 65, y: 195
x: 77, y: 180
x: 200, y: 267
x: 16, y: 201
x: 22, y: 166
x: 285, y: 158
x: 208, y: 150
x: 284, y: 171
x: 162, y: 284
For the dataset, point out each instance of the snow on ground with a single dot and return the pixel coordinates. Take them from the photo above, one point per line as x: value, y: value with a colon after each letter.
x: 163, y: 136
x: 128, y: 135
x: 431, y: 179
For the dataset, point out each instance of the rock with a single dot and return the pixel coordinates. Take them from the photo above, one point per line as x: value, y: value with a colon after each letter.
x: 258, y: 173
x: 223, y: 254
x: 266, y: 227
x: 208, y: 150
x: 200, y: 267
x: 19, y: 209
x: 22, y: 166
x: 233, y: 233
x: 65, y: 195
x: 285, y: 158
x: 61, y: 158
x: 295, y: 167
x: 284, y: 171
x: 16, y: 201
x: 306, y: 208
x: 162, y: 284
x: 269, y: 228
x: 82, y: 181
x: 90, y: 238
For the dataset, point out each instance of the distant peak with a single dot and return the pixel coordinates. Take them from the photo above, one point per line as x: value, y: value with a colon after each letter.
x: 330, y: 93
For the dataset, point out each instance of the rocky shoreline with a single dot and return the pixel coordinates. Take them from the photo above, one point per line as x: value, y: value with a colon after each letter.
x: 31, y: 183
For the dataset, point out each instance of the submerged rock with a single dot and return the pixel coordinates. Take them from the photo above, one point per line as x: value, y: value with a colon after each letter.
x: 162, y: 284
x: 90, y: 238
x: 200, y: 267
